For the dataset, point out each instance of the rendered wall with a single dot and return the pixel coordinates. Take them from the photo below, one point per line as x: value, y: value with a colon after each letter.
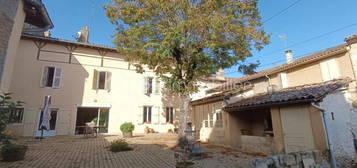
x: 125, y: 98
x: 12, y: 19
x: 341, y: 121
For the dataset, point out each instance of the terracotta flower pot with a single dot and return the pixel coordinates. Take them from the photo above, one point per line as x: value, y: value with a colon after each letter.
x: 128, y: 134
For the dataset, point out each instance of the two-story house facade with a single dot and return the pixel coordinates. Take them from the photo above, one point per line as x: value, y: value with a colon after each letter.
x: 85, y: 81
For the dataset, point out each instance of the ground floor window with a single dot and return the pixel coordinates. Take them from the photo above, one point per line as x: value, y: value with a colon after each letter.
x: 169, y: 115
x: 16, y: 115
x: 53, y: 119
x: 147, y: 114
x: 219, y: 119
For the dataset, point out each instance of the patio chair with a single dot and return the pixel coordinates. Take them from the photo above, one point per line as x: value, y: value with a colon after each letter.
x: 89, y: 129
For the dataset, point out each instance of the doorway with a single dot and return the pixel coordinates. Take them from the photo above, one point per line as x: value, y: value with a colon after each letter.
x: 297, y: 129
x: 97, y: 115
x: 53, y: 124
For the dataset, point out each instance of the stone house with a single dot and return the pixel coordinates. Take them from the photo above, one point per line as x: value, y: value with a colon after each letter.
x: 298, y: 106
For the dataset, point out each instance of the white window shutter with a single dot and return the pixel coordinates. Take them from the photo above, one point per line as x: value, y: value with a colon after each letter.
x: 145, y: 85
x: 140, y: 117
x: 284, y: 80
x: 108, y: 80
x: 44, y: 77
x: 333, y: 69
x: 157, y: 86
x: 57, y: 78
x: 162, y: 115
x: 156, y: 115
x: 95, y: 79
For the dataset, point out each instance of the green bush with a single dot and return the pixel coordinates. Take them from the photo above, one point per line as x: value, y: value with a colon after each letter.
x: 12, y: 152
x: 119, y: 145
x: 127, y: 127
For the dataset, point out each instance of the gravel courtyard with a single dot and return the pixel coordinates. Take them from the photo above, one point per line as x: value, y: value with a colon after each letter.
x: 150, y: 151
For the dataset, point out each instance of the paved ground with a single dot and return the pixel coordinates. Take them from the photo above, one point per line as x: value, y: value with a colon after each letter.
x: 150, y: 151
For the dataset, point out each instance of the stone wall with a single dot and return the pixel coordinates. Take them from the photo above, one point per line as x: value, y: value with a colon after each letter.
x: 309, y: 159
x: 8, y: 10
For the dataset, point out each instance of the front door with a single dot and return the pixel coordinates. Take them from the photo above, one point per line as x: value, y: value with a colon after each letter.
x: 297, y: 129
x: 53, y: 123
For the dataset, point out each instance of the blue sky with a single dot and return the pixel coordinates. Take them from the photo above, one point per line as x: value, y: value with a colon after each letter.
x: 305, y: 20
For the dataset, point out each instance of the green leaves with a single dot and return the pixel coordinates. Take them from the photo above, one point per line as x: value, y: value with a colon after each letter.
x: 185, y: 41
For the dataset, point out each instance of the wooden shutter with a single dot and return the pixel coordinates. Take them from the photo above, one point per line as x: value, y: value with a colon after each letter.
x: 156, y: 115
x: 95, y: 79
x: 145, y: 85
x: 44, y: 77
x: 57, y: 77
x: 157, y: 86
x: 108, y: 80
x: 334, y: 70
x: 139, y: 119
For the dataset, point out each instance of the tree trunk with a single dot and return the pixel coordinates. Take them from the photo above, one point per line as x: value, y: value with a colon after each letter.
x: 184, y: 114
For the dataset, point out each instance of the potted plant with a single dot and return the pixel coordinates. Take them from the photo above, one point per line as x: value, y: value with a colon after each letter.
x: 127, y: 129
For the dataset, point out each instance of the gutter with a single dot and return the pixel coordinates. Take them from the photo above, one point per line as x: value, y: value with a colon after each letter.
x: 328, y: 137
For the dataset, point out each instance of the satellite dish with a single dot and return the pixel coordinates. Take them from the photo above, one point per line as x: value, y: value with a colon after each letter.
x: 79, y: 34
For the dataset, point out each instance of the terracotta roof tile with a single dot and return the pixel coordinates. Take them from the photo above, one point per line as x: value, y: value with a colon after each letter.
x: 293, y: 95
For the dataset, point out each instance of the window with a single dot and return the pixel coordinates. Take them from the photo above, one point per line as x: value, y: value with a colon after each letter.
x: 330, y: 70
x: 147, y: 114
x: 16, y: 115
x: 52, y: 77
x: 210, y: 118
x: 219, y: 119
x: 52, y: 121
x: 169, y: 114
x: 102, y: 80
x: 148, y: 85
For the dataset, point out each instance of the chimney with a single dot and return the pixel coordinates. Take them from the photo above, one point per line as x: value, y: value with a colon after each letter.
x: 83, y: 35
x: 289, y: 56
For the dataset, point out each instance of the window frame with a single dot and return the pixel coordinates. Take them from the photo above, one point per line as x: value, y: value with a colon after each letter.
x: 21, y: 116
x: 45, y: 76
x: 147, y: 114
x: 107, y: 80
x: 169, y: 115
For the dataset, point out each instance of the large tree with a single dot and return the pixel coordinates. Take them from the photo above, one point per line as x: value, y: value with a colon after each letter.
x: 183, y: 41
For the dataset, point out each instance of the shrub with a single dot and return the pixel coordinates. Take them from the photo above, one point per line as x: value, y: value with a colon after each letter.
x: 127, y: 127
x: 12, y: 152
x: 119, y: 145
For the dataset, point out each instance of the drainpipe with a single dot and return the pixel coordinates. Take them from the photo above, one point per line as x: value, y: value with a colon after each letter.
x: 329, y: 139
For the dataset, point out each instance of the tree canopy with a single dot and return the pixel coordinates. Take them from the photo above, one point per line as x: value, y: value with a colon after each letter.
x: 184, y: 41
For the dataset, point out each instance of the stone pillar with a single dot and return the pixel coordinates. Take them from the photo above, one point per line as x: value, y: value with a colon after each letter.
x: 233, y: 136
x: 12, y: 18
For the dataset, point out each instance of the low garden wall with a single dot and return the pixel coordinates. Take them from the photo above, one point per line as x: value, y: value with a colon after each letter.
x: 257, y: 144
x: 309, y: 159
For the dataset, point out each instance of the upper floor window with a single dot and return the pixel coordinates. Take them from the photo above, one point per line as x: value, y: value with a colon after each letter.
x: 102, y: 80
x: 148, y: 85
x: 16, y: 115
x: 329, y: 70
x: 147, y: 114
x: 52, y: 77
x: 169, y: 114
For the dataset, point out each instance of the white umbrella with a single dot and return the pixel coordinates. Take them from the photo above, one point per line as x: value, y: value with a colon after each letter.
x: 46, y: 115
